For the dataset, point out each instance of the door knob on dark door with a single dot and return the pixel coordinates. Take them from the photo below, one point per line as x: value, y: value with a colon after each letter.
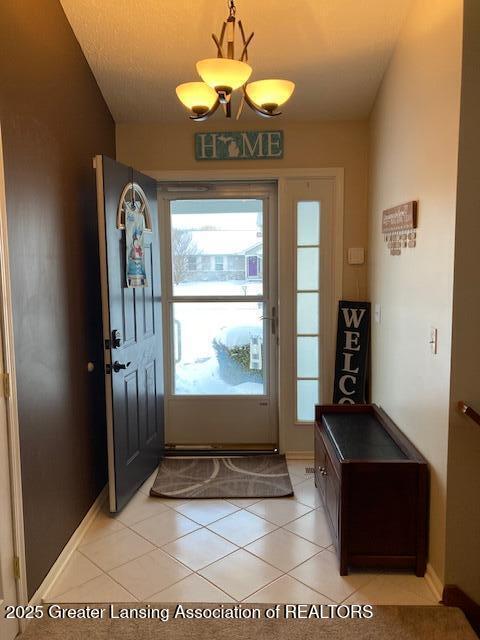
x: 118, y: 366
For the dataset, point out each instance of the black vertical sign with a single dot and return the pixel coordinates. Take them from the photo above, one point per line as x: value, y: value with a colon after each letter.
x: 353, y: 336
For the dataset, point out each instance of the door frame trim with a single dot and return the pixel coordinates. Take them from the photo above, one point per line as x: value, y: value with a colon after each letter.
x: 282, y: 176
x: 6, y: 327
x: 102, y: 247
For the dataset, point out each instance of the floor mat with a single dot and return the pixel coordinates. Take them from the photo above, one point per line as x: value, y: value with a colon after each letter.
x: 239, y: 477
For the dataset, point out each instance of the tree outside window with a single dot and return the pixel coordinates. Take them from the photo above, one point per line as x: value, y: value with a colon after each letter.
x: 183, y: 249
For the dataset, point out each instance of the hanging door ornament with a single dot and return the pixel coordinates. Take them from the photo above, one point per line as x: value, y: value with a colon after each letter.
x: 133, y: 215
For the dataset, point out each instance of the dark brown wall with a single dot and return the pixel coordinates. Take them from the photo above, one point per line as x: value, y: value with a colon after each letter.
x: 54, y: 120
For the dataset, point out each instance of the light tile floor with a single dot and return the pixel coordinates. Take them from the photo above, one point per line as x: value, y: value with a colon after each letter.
x: 276, y: 550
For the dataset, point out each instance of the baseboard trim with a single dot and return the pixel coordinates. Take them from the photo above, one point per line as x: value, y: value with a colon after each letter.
x: 300, y: 455
x: 434, y: 582
x: 41, y: 594
x: 453, y: 596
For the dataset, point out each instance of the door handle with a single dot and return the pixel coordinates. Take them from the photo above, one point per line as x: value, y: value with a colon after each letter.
x: 178, y: 326
x: 273, y: 320
x: 118, y: 366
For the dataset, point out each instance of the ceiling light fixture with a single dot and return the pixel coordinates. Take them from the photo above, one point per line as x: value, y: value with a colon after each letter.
x: 223, y: 74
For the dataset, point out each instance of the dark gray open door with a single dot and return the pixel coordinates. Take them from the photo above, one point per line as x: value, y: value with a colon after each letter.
x: 132, y: 327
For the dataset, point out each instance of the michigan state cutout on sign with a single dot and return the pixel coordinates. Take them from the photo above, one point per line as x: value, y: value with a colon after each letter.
x: 239, y: 145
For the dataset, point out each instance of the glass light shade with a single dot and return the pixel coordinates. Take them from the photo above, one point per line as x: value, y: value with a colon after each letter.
x: 268, y: 93
x: 196, y: 96
x: 224, y: 72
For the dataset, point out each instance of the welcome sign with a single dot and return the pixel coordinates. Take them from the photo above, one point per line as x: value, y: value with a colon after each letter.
x: 239, y: 145
x: 353, y: 335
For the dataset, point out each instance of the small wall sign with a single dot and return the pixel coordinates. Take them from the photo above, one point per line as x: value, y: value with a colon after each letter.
x: 239, y: 145
x: 398, y: 227
x: 353, y: 335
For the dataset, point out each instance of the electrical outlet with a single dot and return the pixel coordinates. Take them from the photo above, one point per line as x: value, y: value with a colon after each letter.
x: 434, y: 340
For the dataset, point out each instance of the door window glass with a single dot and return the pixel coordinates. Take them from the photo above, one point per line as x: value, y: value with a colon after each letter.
x: 224, y: 240
x: 219, y: 348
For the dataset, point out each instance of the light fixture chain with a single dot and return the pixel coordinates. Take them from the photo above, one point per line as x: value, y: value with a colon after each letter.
x: 231, y: 8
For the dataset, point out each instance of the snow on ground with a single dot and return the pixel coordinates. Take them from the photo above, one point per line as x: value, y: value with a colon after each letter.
x: 220, y: 288
x: 197, y: 371
x: 202, y: 378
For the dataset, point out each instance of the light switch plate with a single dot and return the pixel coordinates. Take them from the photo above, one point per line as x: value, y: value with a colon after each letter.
x: 434, y: 340
x: 356, y: 255
x: 378, y: 313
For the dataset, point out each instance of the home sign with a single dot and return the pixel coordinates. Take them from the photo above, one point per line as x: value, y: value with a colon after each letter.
x: 239, y: 145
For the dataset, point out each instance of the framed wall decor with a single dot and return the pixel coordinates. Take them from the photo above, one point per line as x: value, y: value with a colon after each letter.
x: 399, y: 227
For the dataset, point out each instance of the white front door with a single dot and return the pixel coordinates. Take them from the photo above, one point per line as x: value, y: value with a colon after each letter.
x: 8, y: 588
x: 220, y: 315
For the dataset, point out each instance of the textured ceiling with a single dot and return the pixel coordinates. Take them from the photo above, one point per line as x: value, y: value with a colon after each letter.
x: 334, y: 50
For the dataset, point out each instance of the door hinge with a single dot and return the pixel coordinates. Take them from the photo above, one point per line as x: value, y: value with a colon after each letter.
x: 16, y: 567
x: 6, y: 389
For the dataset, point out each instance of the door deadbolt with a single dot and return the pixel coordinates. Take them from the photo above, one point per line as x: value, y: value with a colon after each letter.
x: 116, y: 339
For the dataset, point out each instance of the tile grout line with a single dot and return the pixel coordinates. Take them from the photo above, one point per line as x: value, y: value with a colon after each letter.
x: 206, y: 527
x: 283, y: 573
x: 176, y: 510
x: 104, y: 573
x: 107, y: 571
x: 293, y: 578
x: 316, y: 590
x: 201, y: 526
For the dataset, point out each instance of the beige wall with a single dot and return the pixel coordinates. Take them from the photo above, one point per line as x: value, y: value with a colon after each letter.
x: 463, y: 493
x: 414, y: 142
x: 307, y: 145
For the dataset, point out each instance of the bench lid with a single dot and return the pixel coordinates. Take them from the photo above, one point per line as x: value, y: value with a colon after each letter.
x: 360, y: 436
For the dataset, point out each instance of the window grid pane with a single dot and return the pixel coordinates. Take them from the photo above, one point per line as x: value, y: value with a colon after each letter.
x: 307, y: 398
x: 308, y: 223
x: 307, y: 357
x: 307, y: 313
x: 307, y: 268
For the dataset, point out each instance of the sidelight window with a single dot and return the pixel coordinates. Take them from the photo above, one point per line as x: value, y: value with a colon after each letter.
x: 307, y: 332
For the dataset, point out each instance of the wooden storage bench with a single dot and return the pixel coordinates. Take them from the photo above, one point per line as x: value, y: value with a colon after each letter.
x: 374, y: 487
